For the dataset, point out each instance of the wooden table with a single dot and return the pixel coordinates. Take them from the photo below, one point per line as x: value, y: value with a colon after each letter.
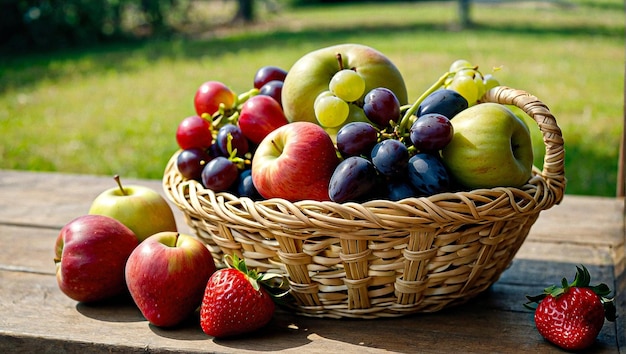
x: 36, y: 317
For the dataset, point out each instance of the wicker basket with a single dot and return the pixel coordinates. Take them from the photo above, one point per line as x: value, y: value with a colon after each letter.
x: 381, y: 258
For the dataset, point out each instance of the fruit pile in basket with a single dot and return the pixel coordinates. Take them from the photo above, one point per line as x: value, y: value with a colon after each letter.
x: 338, y: 127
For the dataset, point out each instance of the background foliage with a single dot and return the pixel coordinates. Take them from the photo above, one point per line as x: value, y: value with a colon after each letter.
x: 113, y: 108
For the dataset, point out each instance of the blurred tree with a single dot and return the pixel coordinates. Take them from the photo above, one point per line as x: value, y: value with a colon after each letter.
x: 464, y: 13
x: 245, y: 11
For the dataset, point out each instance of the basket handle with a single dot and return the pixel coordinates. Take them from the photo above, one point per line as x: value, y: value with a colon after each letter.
x: 554, y: 159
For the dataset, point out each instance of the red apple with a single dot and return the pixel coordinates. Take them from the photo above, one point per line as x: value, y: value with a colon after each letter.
x: 311, y: 74
x: 90, y: 256
x: 210, y: 95
x: 166, y: 275
x: 260, y: 115
x: 295, y: 162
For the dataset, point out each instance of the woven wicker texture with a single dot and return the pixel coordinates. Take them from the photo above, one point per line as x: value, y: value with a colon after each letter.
x: 381, y: 258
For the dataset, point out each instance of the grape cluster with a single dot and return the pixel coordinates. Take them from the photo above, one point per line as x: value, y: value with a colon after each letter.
x: 215, y: 149
x: 332, y: 106
x: 468, y: 81
x: 377, y: 165
x: 397, y: 154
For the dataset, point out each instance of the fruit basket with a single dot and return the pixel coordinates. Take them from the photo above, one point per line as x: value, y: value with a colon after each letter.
x: 381, y: 258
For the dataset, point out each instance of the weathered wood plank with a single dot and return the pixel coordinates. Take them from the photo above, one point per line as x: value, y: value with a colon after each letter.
x: 493, y: 322
x: 36, y: 317
x: 27, y: 249
x: 53, y: 199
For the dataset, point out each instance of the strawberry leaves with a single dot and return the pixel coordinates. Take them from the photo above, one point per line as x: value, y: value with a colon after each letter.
x: 237, y: 301
x: 571, y: 315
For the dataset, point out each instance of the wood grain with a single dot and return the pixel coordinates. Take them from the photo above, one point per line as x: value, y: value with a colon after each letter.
x: 36, y: 317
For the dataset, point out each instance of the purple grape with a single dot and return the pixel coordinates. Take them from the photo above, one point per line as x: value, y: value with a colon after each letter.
x: 274, y: 89
x: 353, y: 179
x: 191, y: 162
x: 381, y: 106
x: 445, y: 102
x: 268, y: 73
x: 245, y: 187
x: 239, y: 141
x: 219, y: 174
x: 399, y: 189
x: 390, y: 157
x: 431, y: 132
x: 356, y: 138
x: 428, y: 175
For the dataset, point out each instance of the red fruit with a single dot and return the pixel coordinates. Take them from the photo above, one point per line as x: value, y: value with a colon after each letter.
x: 571, y: 316
x: 234, y: 302
x: 259, y: 116
x: 194, y: 132
x: 210, y: 95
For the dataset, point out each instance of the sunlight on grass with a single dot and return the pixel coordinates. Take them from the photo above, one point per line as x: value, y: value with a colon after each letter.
x: 115, y: 109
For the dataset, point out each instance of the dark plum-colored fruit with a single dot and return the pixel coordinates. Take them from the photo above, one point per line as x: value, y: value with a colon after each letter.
x: 190, y: 162
x: 428, y: 175
x: 353, y: 179
x: 268, y: 73
x: 431, y: 132
x: 274, y: 89
x: 239, y: 141
x: 245, y: 187
x: 445, y: 102
x: 356, y: 138
x: 399, y: 189
x: 219, y: 174
x: 390, y: 157
x: 381, y: 106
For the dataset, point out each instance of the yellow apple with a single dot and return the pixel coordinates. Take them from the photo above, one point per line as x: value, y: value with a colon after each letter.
x: 491, y: 147
x: 140, y: 208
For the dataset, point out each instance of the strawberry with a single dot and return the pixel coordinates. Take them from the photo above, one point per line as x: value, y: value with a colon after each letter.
x: 235, y: 302
x: 571, y: 316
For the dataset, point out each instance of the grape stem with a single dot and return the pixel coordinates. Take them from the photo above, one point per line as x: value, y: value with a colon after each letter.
x: 402, y: 127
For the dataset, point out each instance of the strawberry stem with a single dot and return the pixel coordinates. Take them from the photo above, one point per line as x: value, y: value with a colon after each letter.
x: 275, y: 284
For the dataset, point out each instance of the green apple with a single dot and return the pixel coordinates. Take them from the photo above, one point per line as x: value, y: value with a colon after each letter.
x: 311, y: 74
x: 140, y: 208
x: 491, y: 147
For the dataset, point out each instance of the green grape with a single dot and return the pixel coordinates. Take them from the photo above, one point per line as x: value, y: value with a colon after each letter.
x: 347, y: 84
x: 320, y: 96
x: 466, y: 72
x: 490, y: 82
x: 331, y: 111
x: 480, y: 85
x: 460, y: 64
x: 466, y: 87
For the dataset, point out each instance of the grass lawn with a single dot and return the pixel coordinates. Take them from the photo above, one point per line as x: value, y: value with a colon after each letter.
x: 114, y: 109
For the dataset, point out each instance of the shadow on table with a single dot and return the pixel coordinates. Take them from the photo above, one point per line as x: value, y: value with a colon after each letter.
x: 497, y: 315
x: 118, y: 309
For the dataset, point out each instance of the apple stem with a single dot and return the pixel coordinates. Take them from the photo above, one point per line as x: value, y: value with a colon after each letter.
x: 275, y: 145
x: 119, y: 183
x: 340, y: 61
